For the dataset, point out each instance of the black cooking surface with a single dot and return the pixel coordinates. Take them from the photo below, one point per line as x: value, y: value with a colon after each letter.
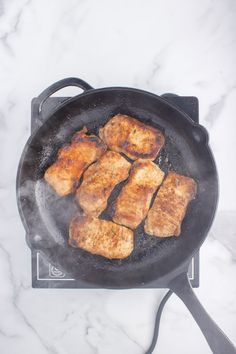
x: 44, y: 274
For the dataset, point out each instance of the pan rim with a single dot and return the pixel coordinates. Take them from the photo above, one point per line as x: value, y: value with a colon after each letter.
x: 106, y: 89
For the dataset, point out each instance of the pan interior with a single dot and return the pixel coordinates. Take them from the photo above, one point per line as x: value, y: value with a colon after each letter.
x: 153, y: 257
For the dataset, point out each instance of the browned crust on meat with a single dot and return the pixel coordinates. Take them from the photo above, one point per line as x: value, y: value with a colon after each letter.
x: 72, y: 160
x: 133, y: 203
x: 169, y: 208
x: 101, y: 237
x: 99, y: 180
x: 131, y: 137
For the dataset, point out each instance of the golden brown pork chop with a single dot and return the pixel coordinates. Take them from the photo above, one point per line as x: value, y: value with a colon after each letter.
x: 101, y: 237
x: 72, y: 160
x: 133, y: 138
x: 99, y: 180
x: 168, y: 210
x: 133, y: 203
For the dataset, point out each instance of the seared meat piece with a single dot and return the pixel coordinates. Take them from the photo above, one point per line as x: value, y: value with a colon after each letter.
x: 133, y: 203
x: 72, y: 160
x: 133, y: 138
x: 168, y: 210
x: 99, y: 180
x: 101, y: 237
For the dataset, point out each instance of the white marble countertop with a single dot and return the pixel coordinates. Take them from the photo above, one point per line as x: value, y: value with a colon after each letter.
x: 186, y: 47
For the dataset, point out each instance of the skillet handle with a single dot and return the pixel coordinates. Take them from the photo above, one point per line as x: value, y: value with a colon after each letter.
x: 217, y: 340
x: 70, y: 81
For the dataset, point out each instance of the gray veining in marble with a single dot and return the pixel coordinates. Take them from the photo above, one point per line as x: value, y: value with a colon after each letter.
x: 157, y: 45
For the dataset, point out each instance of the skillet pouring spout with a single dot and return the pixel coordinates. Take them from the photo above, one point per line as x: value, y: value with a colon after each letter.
x: 217, y: 340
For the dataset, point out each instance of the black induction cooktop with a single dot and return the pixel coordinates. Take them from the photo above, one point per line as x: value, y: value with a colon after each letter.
x: 45, y: 274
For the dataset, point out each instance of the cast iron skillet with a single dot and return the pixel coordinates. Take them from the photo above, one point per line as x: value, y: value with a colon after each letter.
x: 46, y: 217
